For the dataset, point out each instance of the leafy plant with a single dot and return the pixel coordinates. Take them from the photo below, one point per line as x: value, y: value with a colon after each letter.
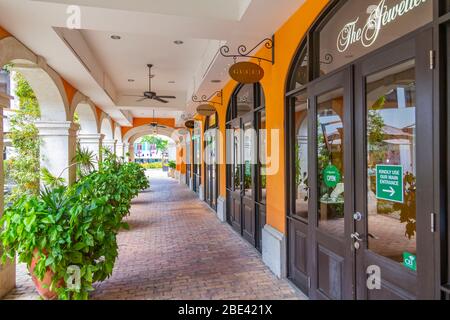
x: 85, y: 160
x: 50, y: 180
x: 24, y: 164
x: 408, y: 207
x: 172, y: 164
x: 71, y: 226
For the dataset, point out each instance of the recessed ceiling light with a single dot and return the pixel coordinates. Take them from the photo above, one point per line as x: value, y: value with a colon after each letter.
x: 116, y: 37
x: 171, y: 81
x: 178, y: 42
x: 216, y: 81
x: 130, y: 80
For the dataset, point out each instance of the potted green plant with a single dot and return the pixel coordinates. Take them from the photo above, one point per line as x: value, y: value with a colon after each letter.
x: 172, y: 167
x: 67, y: 235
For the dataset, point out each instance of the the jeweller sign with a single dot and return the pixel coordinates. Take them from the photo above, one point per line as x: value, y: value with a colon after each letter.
x: 380, y: 16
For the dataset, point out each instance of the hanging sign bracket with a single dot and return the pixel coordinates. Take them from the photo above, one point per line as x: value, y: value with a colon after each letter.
x: 206, y: 99
x: 242, y: 51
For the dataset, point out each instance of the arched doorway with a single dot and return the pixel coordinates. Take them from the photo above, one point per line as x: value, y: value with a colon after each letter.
x: 211, y: 163
x: 246, y: 178
x: 358, y: 145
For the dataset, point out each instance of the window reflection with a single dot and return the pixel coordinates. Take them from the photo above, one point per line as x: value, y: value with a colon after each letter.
x: 391, y: 141
x: 301, y: 157
x: 330, y: 162
x: 262, y: 156
x: 237, y: 158
x: 301, y: 71
x: 249, y: 143
x: 245, y: 100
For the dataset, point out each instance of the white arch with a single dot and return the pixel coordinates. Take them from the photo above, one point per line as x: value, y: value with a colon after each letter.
x: 46, y: 83
x: 144, y: 130
x: 86, y: 112
x: 106, y: 127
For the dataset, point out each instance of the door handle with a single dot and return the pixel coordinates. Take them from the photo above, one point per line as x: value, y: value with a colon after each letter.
x: 356, y: 236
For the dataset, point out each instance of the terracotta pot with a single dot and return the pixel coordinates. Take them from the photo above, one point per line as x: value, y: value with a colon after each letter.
x: 43, y: 286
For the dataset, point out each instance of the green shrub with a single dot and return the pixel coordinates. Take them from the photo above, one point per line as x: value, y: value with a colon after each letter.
x: 154, y: 165
x: 172, y: 164
x: 74, y: 226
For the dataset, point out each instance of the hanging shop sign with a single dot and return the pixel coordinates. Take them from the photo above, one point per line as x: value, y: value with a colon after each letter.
x: 331, y: 176
x: 390, y: 183
x: 246, y: 72
x: 206, y: 110
x: 190, y: 124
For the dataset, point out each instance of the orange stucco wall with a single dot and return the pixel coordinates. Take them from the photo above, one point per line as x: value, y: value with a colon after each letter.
x: 137, y: 122
x: 4, y: 33
x: 287, y: 40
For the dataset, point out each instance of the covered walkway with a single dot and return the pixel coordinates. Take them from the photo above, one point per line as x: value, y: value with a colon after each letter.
x: 177, y: 249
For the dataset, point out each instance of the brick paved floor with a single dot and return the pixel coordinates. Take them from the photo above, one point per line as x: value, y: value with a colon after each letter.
x: 177, y: 249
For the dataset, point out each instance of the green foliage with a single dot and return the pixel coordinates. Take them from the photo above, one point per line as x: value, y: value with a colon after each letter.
x: 153, y: 165
x: 161, y: 144
x: 49, y: 180
x: 73, y: 226
x: 85, y: 160
x: 24, y: 166
x: 172, y: 164
x: 408, y: 207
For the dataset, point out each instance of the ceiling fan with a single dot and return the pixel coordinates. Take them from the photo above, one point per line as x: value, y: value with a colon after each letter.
x: 154, y: 125
x: 151, y: 95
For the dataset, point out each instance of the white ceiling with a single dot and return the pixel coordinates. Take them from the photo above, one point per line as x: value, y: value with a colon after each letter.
x: 147, y: 29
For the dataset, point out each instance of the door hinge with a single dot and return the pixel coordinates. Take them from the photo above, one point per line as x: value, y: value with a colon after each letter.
x: 432, y: 60
x: 433, y: 222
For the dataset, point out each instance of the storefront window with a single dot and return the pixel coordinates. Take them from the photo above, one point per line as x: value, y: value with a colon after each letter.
x: 249, y: 154
x: 361, y: 26
x: 446, y: 6
x: 330, y: 162
x: 300, y: 76
x: 301, y: 157
x: 237, y: 158
x: 245, y: 100
x: 391, y: 161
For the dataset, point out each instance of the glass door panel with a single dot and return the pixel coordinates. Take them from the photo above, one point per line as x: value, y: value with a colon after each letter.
x: 391, y: 162
x: 330, y: 162
x: 249, y: 157
x: 301, y: 154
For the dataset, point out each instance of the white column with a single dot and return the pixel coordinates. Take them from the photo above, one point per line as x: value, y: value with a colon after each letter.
x: 120, y: 150
x: 7, y: 271
x: 92, y: 142
x: 58, y: 147
x: 126, y: 148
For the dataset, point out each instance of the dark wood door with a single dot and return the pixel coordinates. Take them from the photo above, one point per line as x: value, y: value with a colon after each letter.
x: 331, y: 259
x: 394, y: 172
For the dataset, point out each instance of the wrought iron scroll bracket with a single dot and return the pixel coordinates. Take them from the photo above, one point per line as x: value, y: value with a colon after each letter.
x: 243, y: 52
x: 206, y: 99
